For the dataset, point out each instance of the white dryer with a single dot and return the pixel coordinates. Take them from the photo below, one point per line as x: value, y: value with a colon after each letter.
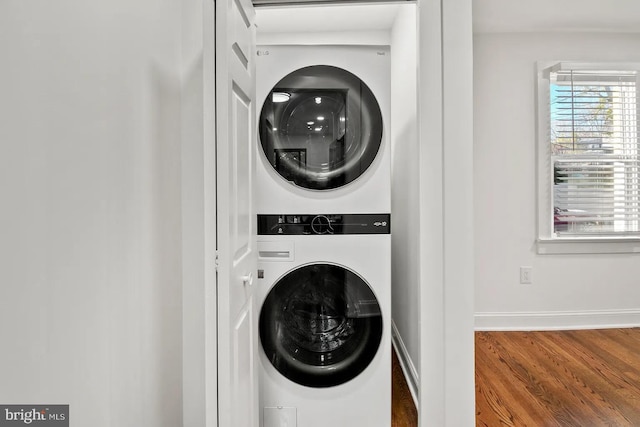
x: 323, y: 129
x: 325, y: 320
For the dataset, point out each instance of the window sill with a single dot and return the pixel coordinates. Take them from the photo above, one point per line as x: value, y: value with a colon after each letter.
x: 547, y: 246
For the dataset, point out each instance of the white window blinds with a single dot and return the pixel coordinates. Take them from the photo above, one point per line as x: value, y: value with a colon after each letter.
x: 594, y: 152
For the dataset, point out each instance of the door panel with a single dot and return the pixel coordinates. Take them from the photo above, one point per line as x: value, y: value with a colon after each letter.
x: 242, y: 40
x: 241, y: 174
x: 236, y: 234
x: 243, y: 365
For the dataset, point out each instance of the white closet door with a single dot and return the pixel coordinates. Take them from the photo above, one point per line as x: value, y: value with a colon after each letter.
x: 236, y: 228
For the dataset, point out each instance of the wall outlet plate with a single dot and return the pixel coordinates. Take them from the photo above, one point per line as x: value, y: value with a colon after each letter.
x: 526, y: 275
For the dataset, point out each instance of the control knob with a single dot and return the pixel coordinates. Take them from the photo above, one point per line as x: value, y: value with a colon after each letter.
x: 321, y: 224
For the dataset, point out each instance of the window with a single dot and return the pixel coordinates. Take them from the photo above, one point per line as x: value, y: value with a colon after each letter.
x: 589, y: 152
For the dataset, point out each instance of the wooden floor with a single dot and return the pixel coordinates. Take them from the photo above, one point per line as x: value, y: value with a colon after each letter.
x: 403, y: 413
x: 561, y: 378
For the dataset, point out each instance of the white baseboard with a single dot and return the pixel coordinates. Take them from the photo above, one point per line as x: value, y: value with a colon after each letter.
x: 408, y: 368
x: 557, y: 320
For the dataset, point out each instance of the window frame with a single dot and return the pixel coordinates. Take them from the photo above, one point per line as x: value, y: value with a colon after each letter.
x: 547, y: 241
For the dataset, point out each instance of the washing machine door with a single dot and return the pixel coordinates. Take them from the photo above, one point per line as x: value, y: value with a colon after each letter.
x: 320, y: 127
x: 320, y: 325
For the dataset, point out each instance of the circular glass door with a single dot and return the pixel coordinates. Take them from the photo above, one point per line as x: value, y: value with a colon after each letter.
x: 320, y: 127
x: 320, y: 325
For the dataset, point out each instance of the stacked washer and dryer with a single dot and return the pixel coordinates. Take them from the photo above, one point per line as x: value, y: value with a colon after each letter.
x: 323, y: 202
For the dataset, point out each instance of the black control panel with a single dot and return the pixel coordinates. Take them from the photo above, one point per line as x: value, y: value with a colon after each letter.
x: 324, y: 224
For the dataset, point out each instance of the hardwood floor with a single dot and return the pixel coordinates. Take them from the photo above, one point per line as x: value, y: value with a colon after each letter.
x: 403, y: 412
x: 560, y: 378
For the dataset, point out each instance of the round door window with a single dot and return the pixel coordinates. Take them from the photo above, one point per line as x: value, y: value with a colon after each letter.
x: 320, y: 127
x: 320, y: 325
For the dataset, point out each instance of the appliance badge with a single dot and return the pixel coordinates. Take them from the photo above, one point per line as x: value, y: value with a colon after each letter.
x: 380, y: 223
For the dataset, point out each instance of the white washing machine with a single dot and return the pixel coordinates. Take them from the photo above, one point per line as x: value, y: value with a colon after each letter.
x: 325, y: 320
x: 323, y: 129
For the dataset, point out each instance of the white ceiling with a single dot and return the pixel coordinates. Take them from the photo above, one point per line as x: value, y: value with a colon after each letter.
x: 353, y: 17
x: 505, y: 16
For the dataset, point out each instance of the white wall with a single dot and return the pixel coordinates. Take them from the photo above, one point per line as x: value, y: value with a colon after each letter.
x: 405, y: 194
x: 567, y: 290
x: 90, y: 306
x: 329, y: 24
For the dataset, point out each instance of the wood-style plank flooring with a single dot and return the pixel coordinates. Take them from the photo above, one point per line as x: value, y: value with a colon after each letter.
x: 558, y: 378
x: 403, y: 412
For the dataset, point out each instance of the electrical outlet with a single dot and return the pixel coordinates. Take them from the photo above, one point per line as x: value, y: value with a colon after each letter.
x: 526, y: 275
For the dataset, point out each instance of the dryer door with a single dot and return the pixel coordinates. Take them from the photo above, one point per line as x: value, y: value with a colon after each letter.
x: 320, y: 127
x: 320, y: 325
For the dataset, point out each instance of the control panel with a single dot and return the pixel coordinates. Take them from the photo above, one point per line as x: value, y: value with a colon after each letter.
x: 324, y: 224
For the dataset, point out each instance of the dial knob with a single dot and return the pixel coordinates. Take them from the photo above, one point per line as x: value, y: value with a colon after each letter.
x: 320, y: 224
